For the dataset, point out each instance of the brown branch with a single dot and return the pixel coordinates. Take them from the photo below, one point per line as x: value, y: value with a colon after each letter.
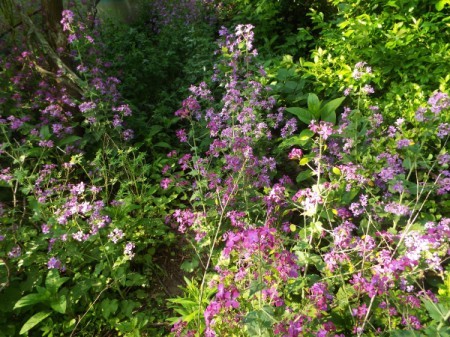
x: 77, y: 83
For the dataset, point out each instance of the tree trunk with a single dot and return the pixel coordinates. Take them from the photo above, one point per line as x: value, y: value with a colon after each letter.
x: 52, y: 15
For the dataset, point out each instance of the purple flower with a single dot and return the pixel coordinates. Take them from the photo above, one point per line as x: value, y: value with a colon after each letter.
x: 181, y: 135
x: 124, y: 109
x: 289, y: 128
x: 115, y: 235
x: 367, y: 89
x: 443, y: 130
x: 87, y: 106
x: 165, y: 183
x: 128, y: 250
x: 403, y: 143
x: 397, y: 209
x: 347, y: 91
x: 128, y: 134
x: 54, y: 263
x: 15, y: 252
x: 67, y: 19
x: 45, y: 229
x: 46, y: 143
x: 324, y: 129
x: 360, y: 70
x: 438, y: 101
x: 295, y: 154
x: 71, y: 38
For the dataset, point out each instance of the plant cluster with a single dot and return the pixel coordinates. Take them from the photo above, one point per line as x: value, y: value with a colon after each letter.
x: 356, y: 246
x: 301, y: 197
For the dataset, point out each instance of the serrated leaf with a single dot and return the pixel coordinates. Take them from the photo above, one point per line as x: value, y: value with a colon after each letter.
x: 34, y: 320
x: 436, y: 310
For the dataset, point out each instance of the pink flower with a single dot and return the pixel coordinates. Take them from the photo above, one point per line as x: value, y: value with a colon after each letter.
x: 295, y: 154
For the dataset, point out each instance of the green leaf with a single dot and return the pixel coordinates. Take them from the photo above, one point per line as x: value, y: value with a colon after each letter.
x: 436, y: 310
x: 304, y: 161
x: 45, y: 132
x: 30, y: 300
x: 255, y: 287
x: 303, y: 176
x: 109, y: 307
x: 60, y: 304
x: 302, y: 114
x: 336, y: 171
x: 68, y: 140
x: 314, y: 105
x: 190, y: 265
x: 441, y: 4
x: 54, y: 281
x: 259, y: 322
x: 328, y: 111
x: 34, y: 320
x: 163, y: 144
x: 306, y: 134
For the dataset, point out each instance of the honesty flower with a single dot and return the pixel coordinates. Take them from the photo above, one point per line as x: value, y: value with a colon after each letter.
x: 295, y: 154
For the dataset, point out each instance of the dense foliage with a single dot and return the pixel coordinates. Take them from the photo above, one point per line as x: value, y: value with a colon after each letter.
x: 227, y: 168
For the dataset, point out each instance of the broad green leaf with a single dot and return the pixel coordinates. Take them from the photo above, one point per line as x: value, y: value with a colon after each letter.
x: 163, y: 144
x: 441, y: 4
x: 54, y: 281
x: 34, y: 320
x: 336, y: 171
x: 30, y: 300
x: 306, y: 134
x: 303, y: 176
x: 302, y: 114
x: 328, y: 111
x: 304, y: 161
x: 60, y: 304
x: 314, y: 105
x: 68, y: 140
